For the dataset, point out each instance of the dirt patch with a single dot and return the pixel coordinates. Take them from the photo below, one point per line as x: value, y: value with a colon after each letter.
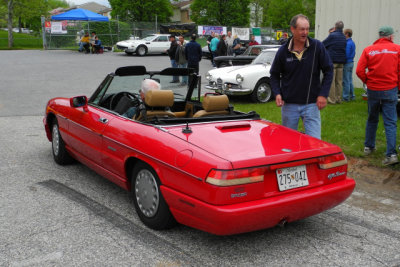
x: 376, y: 187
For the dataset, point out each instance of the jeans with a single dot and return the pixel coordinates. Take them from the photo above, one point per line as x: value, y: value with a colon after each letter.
x: 348, y: 89
x: 83, y: 45
x: 387, y: 100
x: 184, y: 79
x: 309, y: 114
x: 174, y: 65
x: 214, y: 55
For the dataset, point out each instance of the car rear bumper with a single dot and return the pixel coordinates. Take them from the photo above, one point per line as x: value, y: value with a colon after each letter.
x: 258, y: 214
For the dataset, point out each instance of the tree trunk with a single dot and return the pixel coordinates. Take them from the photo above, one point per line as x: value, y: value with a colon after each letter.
x: 10, y: 24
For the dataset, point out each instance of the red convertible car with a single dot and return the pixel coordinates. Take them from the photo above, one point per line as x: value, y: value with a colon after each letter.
x: 193, y: 159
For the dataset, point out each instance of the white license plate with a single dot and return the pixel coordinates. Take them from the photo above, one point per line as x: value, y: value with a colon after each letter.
x: 293, y: 177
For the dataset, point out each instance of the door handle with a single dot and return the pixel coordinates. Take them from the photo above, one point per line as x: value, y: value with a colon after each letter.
x: 103, y: 120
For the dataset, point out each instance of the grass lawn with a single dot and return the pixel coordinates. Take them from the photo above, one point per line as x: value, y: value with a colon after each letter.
x: 21, y: 41
x: 343, y: 125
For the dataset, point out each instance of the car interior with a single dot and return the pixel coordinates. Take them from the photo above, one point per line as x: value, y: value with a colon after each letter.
x: 173, y: 104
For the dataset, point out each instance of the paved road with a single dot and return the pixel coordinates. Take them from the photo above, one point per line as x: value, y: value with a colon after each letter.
x: 70, y: 216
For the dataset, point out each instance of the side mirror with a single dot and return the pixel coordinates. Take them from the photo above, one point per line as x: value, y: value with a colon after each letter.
x: 79, y: 101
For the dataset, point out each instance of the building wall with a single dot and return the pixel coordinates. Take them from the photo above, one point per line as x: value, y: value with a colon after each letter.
x: 364, y: 17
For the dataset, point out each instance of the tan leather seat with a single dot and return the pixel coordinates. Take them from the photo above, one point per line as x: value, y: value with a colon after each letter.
x: 157, y: 101
x: 213, y: 105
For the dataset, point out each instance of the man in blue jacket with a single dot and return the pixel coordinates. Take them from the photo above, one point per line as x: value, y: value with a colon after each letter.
x: 295, y: 78
x: 335, y: 44
x: 348, y: 89
x: 193, y: 53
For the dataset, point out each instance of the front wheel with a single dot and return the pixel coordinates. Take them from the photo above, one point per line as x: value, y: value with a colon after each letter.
x: 141, y: 51
x: 262, y: 92
x: 149, y: 203
x: 60, y: 153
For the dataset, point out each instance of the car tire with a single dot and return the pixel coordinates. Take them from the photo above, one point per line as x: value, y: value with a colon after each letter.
x: 60, y: 153
x: 141, y: 51
x: 262, y: 92
x: 149, y: 203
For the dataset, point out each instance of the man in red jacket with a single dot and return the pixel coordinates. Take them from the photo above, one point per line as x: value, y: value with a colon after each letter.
x: 382, y: 59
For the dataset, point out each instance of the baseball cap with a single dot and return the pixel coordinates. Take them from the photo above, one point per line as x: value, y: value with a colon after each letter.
x: 386, y: 31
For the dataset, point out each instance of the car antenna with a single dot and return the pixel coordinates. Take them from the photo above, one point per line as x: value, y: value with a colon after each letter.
x: 187, y: 129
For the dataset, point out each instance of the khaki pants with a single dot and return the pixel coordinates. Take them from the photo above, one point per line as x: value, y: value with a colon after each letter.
x: 335, y: 93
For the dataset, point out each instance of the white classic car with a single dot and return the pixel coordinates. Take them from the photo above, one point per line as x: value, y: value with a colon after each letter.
x: 252, y: 79
x: 152, y: 44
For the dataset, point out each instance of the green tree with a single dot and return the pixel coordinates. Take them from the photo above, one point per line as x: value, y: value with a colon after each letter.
x: 221, y: 12
x: 28, y: 13
x: 141, y: 10
x: 280, y: 12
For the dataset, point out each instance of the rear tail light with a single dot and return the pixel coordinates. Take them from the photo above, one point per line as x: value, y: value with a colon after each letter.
x: 332, y: 161
x: 236, y: 177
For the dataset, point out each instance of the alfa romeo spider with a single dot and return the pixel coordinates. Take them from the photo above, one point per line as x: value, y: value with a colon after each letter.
x: 193, y: 159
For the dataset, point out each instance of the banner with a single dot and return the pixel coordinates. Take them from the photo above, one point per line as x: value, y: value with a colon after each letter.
x: 59, y: 27
x: 257, y: 34
x: 242, y: 33
x: 206, y: 30
x: 178, y: 29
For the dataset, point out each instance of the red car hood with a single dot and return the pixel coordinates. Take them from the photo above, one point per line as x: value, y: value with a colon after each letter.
x: 253, y: 143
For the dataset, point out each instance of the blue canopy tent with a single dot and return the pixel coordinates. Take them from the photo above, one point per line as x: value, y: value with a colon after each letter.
x: 80, y: 14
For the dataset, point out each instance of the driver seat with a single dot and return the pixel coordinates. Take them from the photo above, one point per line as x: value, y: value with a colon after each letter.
x: 158, y: 102
x: 213, y: 105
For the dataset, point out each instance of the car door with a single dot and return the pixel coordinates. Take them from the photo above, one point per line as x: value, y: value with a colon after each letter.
x: 86, y: 128
x: 160, y: 44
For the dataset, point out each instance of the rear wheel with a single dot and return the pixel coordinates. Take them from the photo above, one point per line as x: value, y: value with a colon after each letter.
x: 262, y: 91
x: 60, y: 154
x: 149, y: 203
x: 141, y: 51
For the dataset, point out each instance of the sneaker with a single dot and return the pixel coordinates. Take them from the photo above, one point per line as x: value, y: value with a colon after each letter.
x: 389, y: 160
x: 368, y: 150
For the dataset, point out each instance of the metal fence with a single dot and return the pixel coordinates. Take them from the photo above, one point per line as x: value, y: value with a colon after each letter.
x: 111, y: 32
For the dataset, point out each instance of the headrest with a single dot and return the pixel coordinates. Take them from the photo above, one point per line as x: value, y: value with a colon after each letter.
x: 159, y: 98
x: 215, y: 103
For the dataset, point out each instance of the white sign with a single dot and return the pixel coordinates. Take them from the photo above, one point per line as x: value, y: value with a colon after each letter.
x: 58, y: 27
x: 242, y: 33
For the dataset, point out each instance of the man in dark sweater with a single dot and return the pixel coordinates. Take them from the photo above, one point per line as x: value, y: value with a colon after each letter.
x: 171, y: 53
x: 295, y: 78
x: 193, y: 53
x: 335, y: 44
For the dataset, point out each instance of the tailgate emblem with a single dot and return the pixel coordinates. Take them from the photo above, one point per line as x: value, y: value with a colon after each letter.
x: 286, y: 150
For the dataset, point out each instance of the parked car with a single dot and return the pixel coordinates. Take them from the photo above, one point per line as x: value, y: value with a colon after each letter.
x: 207, y: 54
x: 201, y: 164
x: 152, y: 44
x: 252, y: 80
x: 246, y: 58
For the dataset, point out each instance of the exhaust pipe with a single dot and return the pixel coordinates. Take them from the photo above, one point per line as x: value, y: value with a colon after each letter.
x: 282, y: 223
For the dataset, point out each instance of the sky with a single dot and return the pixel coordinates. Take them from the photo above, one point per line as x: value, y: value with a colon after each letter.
x: 80, y: 2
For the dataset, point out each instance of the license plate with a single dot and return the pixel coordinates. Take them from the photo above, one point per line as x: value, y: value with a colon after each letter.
x: 293, y: 177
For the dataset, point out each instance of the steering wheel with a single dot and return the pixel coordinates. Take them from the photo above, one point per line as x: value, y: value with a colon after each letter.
x: 117, y: 97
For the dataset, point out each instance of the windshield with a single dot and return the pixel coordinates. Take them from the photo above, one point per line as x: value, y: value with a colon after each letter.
x: 149, y: 38
x: 132, y: 84
x: 266, y: 57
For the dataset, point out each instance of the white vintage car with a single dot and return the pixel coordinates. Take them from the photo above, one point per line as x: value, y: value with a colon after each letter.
x: 152, y: 44
x: 252, y: 79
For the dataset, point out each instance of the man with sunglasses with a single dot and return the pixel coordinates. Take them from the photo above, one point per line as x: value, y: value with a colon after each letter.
x: 295, y: 78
